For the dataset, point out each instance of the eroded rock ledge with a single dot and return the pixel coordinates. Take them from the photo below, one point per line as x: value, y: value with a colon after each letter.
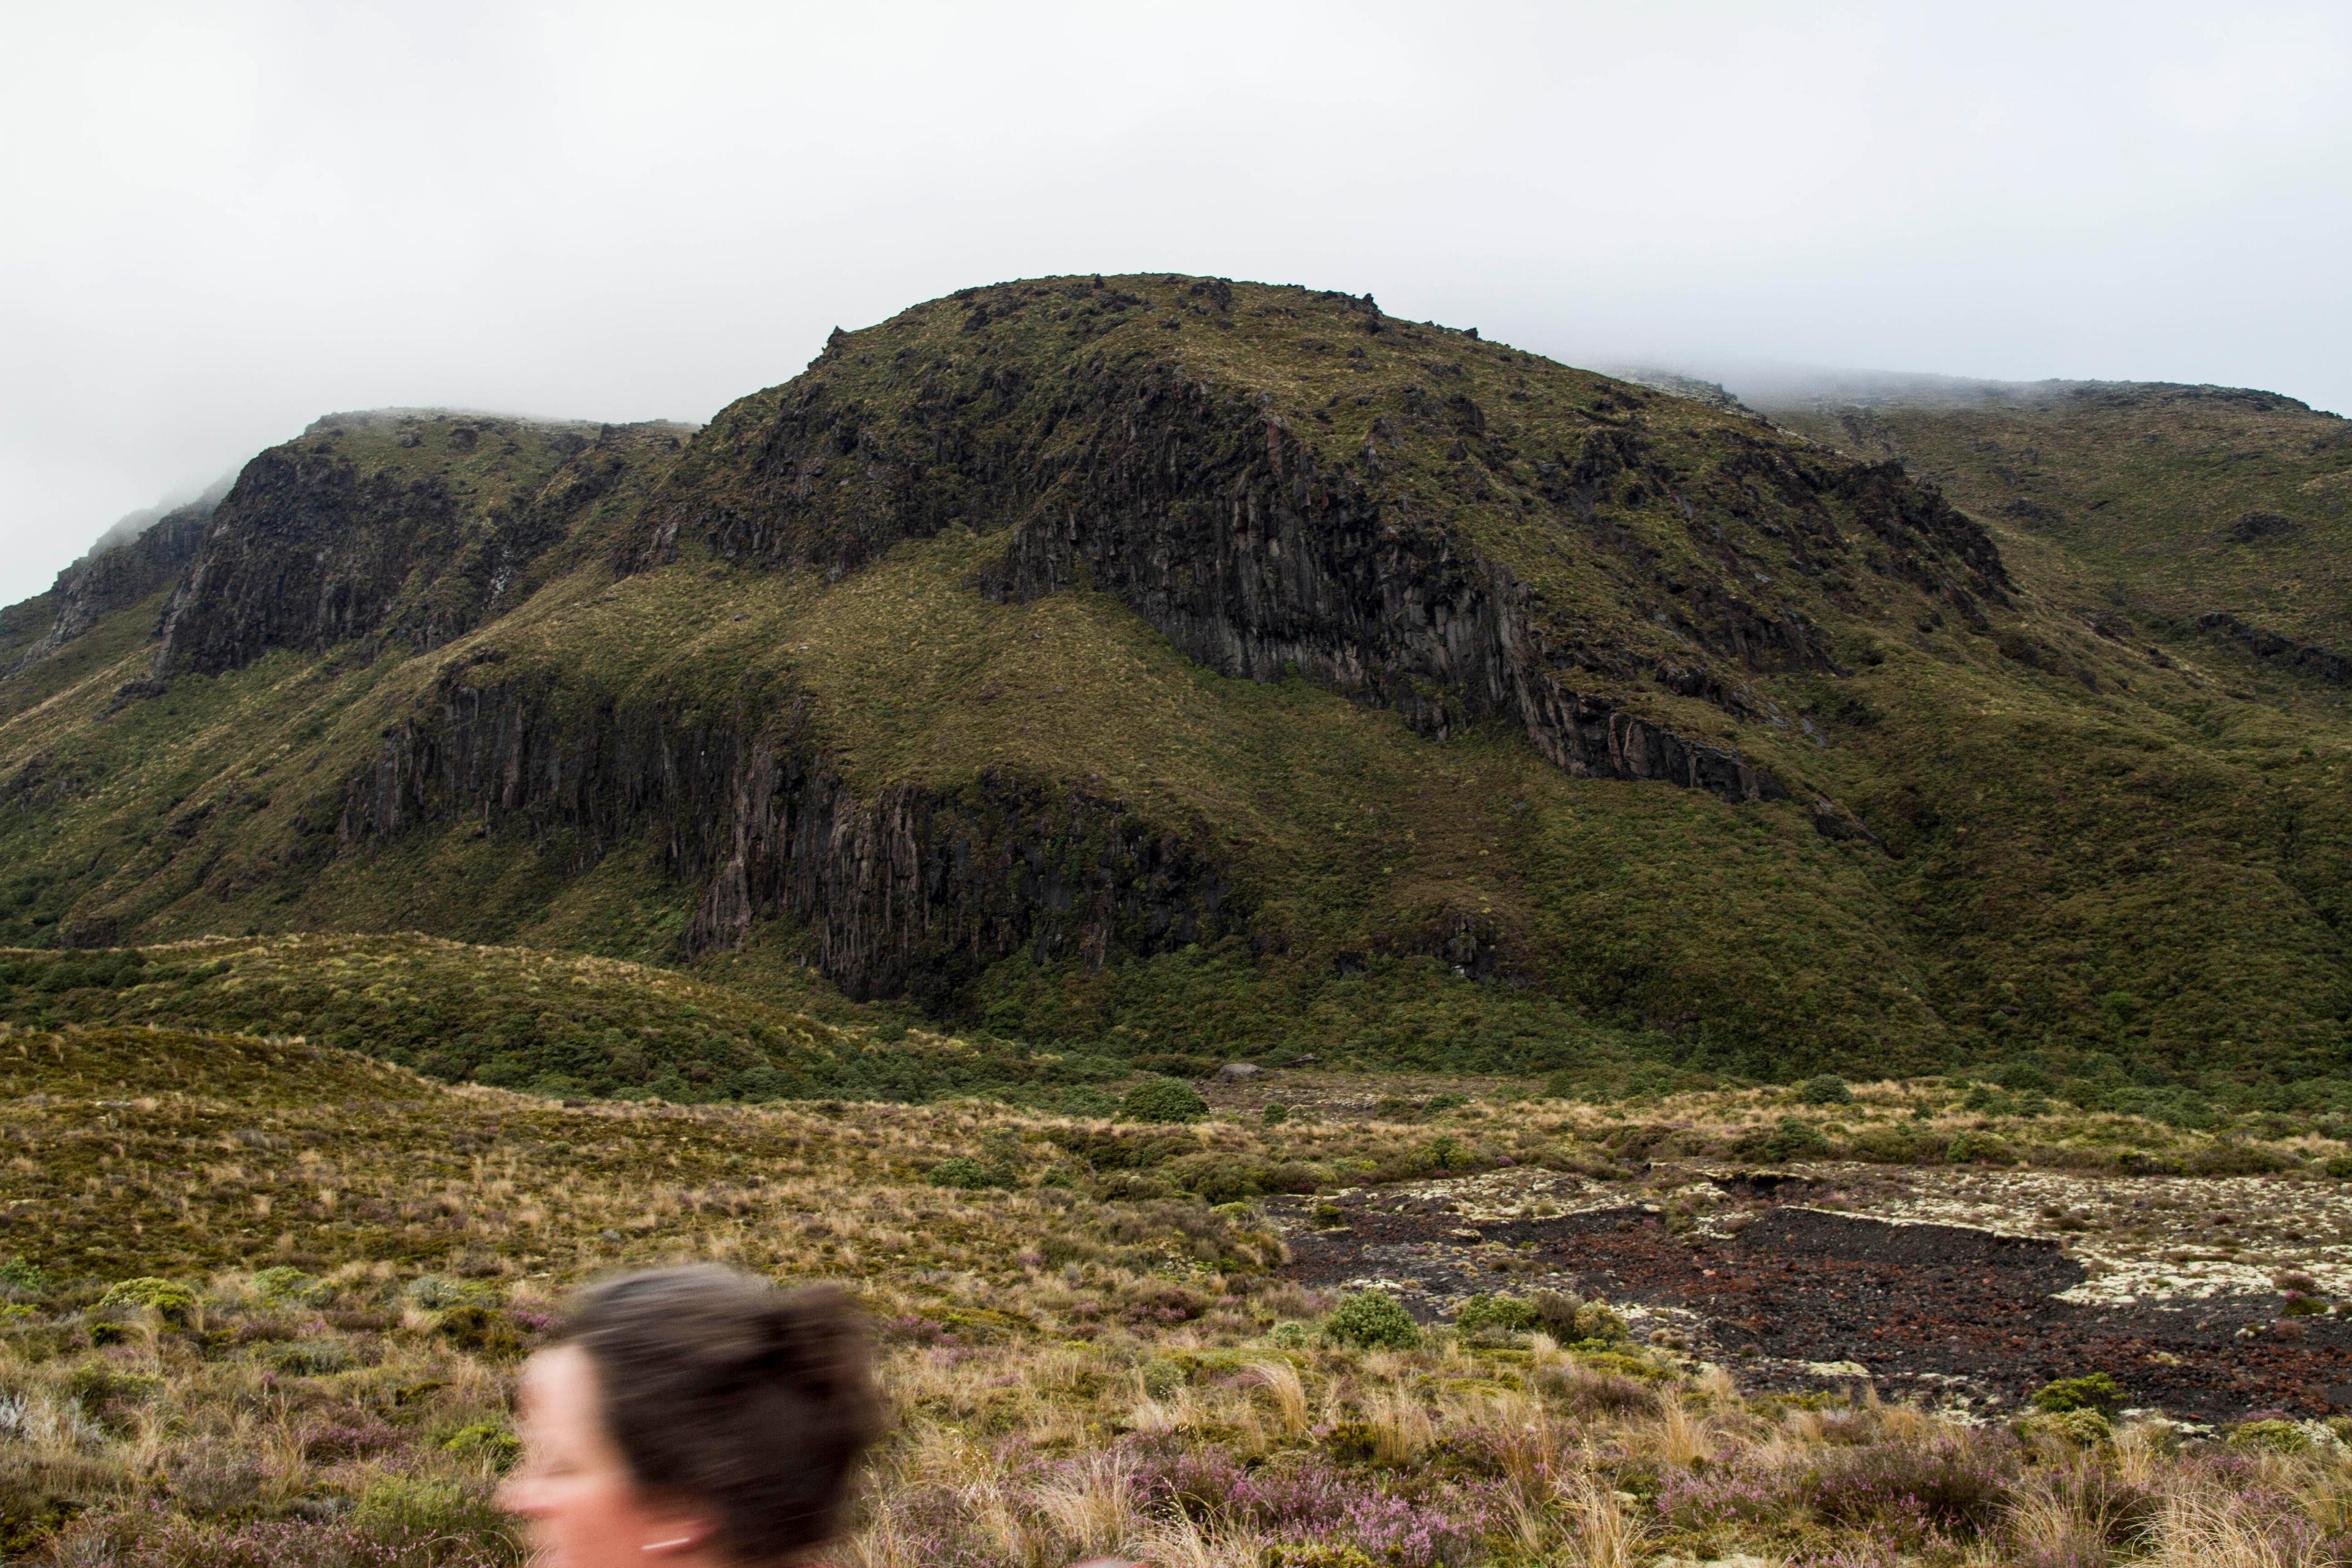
x: 116, y: 576
x: 1224, y: 532
x: 916, y: 891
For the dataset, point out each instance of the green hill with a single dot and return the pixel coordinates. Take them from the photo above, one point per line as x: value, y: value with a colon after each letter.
x: 1153, y: 668
x: 2170, y: 502
x: 559, y: 1025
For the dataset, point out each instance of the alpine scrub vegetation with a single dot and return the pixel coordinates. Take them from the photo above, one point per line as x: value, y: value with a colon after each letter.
x: 270, y: 1299
x: 1163, y: 1099
x: 557, y: 1024
x: 2186, y: 501
x: 1159, y: 667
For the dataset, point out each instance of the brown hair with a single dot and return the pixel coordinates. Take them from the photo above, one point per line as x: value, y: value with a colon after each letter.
x: 722, y: 1388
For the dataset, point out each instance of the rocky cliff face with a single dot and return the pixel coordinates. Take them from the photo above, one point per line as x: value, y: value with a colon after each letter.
x: 916, y: 891
x: 1228, y: 533
x: 409, y: 529
x: 888, y: 629
x: 1440, y: 563
x: 114, y: 577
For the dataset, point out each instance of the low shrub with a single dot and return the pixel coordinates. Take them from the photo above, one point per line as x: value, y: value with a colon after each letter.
x: 1351, y: 1442
x: 1979, y: 1149
x: 2096, y: 1392
x: 329, y: 1440
x: 108, y: 1393
x: 2231, y: 1158
x: 1224, y: 1178
x: 1556, y: 1313
x: 312, y: 1358
x: 432, y: 1292
x: 1497, y: 1314
x: 484, y: 1330
x: 485, y: 1443
x: 1953, y: 1483
x: 2273, y: 1435
x: 1371, y: 1319
x: 1593, y: 1390
x: 2082, y: 1427
x: 1828, y: 1088
x: 285, y: 1287
x: 1791, y: 1138
x: 1895, y: 1145
x: 1162, y: 1304
x: 1597, y: 1322
x: 172, y: 1302
x: 965, y: 1174
x: 1447, y: 1153
x: 1163, y: 1099
x: 422, y: 1515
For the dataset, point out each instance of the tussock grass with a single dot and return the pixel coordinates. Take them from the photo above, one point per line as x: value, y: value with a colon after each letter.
x: 1074, y: 1375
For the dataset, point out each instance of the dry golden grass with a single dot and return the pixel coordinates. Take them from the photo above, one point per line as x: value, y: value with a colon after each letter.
x: 331, y: 1381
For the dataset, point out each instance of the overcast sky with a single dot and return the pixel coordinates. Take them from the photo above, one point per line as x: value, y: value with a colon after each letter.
x: 223, y: 220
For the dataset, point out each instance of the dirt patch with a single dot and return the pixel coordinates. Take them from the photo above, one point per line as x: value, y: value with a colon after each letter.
x: 1791, y: 1295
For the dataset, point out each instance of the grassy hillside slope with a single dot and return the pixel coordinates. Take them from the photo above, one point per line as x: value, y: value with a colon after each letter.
x: 2181, y: 500
x: 555, y: 1023
x: 1162, y: 666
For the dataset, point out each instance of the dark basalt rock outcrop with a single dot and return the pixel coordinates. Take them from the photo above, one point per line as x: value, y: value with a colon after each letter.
x: 1226, y: 533
x: 2271, y: 648
x: 314, y: 547
x: 917, y: 890
x: 1262, y: 546
x: 308, y: 552
x: 119, y: 574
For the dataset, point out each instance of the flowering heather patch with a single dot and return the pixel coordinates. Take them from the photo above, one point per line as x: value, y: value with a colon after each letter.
x: 1954, y: 1480
x: 1306, y: 1497
x: 1708, y: 1499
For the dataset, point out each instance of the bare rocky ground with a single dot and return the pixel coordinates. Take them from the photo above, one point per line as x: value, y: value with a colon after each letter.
x: 1964, y: 1288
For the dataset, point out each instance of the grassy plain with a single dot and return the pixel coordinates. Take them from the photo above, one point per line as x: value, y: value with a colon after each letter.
x: 265, y: 1301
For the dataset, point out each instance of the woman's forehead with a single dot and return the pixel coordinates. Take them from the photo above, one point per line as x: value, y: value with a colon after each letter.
x: 558, y: 1379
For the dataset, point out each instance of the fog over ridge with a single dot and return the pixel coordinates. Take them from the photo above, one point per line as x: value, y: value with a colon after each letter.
x: 232, y: 218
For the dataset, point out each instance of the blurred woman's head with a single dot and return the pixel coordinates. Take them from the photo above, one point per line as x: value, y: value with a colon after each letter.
x: 694, y: 1416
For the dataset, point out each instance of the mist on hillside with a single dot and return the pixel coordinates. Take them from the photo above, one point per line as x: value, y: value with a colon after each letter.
x: 227, y: 222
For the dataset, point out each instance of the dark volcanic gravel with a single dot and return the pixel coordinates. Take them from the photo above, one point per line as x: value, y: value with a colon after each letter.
x: 1929, y: 1309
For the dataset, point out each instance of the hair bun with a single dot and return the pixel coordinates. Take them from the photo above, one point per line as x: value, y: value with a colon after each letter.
x: 810, y: 1338
x: 718, y: 1384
